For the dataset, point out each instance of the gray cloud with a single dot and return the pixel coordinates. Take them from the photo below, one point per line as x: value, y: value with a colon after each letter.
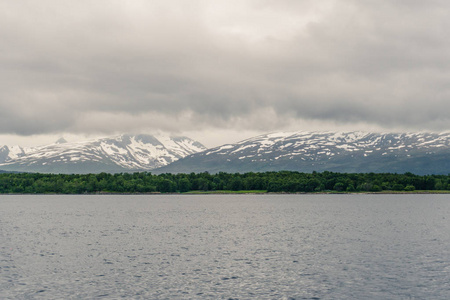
x: 108, y: 66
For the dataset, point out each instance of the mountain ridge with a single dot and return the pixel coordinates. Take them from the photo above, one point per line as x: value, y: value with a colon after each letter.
x: 304, y: 151
x: 123, y: 153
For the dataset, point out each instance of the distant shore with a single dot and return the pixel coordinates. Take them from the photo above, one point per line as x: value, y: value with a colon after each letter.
x: 223, y: 192
x: 281, y: 182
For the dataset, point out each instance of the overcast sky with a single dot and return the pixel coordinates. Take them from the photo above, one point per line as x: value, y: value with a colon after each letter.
x: 221, y: 71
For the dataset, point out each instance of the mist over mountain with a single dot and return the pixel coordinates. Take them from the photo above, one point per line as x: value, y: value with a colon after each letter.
x: 419, y: 153
x: 122, y: 153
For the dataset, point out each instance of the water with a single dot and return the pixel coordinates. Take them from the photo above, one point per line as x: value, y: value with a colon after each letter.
x: 222, y: 247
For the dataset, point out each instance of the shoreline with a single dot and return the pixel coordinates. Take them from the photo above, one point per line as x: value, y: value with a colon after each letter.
x: 196, y: 193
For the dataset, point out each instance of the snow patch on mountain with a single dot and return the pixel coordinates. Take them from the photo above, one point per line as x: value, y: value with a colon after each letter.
x: 120, y: 153
x: 319, y: 144
x: 337, y: 151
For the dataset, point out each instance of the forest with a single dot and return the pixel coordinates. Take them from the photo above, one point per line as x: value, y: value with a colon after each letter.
x: 275, y: 182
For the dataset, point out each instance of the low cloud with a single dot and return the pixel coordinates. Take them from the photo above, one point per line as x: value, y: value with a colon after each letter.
x: 111, y: 66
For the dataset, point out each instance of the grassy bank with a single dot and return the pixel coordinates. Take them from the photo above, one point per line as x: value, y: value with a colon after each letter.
x: 322, y: 192
x: 228, y: 192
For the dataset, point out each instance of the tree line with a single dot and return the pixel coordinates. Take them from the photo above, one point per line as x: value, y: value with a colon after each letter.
x: 283, y: 181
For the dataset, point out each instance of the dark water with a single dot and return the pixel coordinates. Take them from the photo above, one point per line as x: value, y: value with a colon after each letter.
x: 221, y: 247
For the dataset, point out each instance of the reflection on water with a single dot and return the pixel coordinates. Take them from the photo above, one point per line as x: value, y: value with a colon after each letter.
x: 220, y: 246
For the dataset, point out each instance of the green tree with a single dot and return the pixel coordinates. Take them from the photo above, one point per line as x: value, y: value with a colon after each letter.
x: 409, y: 187
x: 184, y: 185
x: 236, y: 184
x: 166, y: 186
x: 339, y: 186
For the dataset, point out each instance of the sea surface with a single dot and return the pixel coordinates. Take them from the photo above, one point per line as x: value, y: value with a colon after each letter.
x: 225, y: 247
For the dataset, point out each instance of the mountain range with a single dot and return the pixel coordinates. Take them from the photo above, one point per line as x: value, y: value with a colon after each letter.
x: 124, y: 153
x: 419, y: 153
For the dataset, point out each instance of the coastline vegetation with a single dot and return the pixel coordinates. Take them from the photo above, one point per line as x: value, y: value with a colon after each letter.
x: 222, y: 183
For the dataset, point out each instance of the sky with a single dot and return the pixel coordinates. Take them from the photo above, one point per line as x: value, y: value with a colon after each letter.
x: 221, y: 71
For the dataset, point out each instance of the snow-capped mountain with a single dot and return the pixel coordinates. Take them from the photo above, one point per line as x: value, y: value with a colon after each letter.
x: 117, y: 154
x: 420, y: 153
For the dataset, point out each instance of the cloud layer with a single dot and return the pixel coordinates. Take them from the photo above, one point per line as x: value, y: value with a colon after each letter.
x: 109, y: 66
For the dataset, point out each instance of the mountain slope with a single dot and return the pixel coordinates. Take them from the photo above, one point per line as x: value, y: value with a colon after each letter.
x: 420, y: 153
x: 118, y: 154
